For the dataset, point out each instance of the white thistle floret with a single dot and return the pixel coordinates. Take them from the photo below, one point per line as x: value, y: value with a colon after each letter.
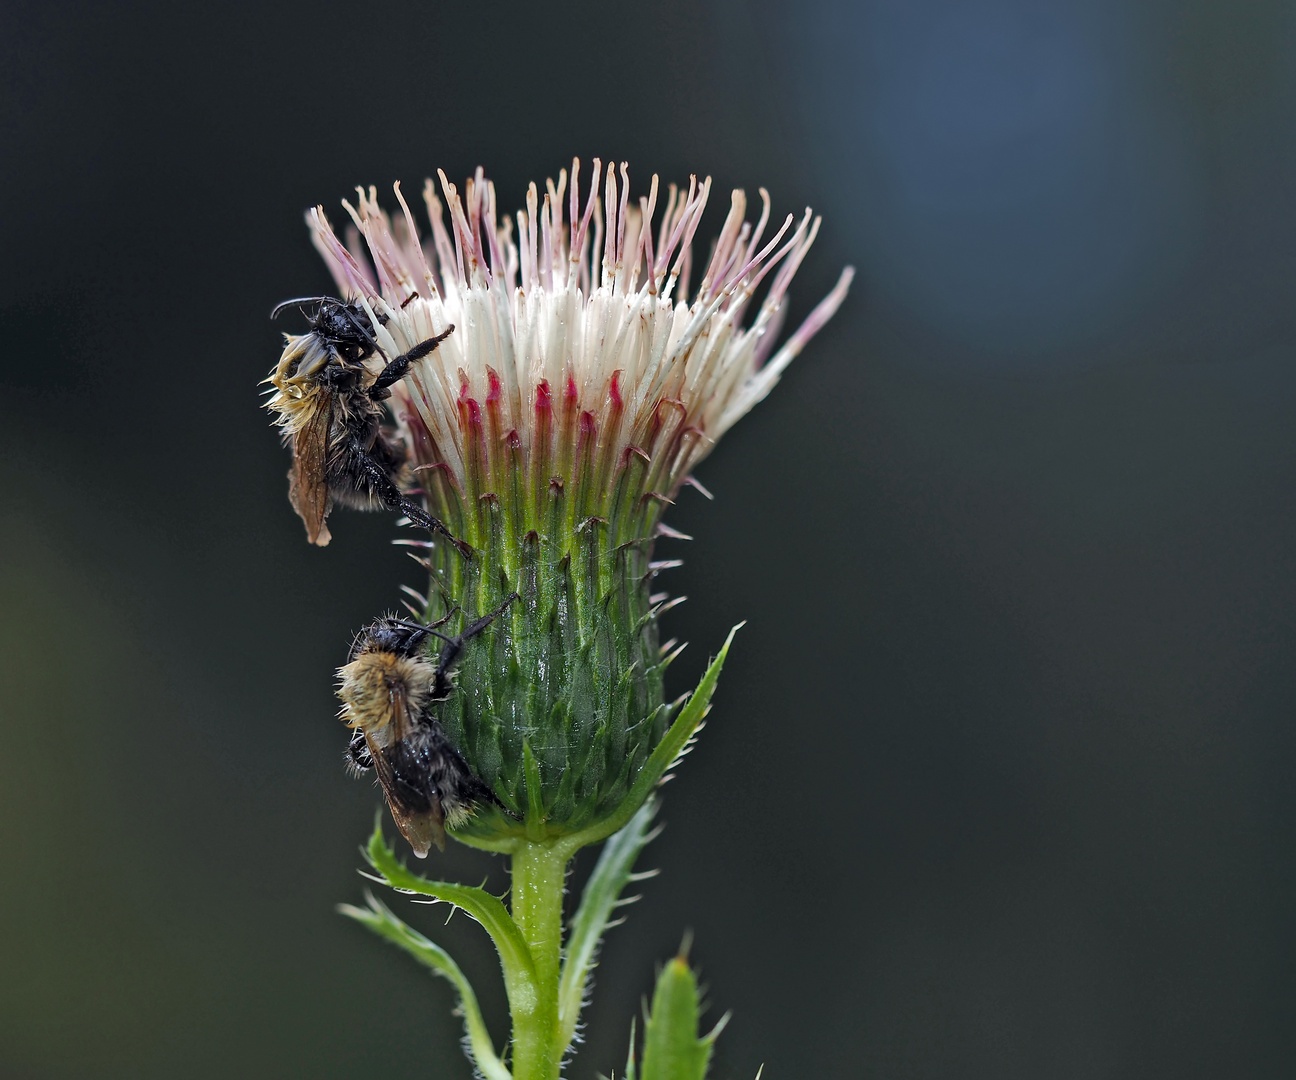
x: 588, y: 319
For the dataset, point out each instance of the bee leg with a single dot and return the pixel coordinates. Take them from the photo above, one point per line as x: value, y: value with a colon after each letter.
x: 398, y: 368
x: 443, y: 620
x: 393, y: 498
x: 358, y: 756
x: 453, y: 647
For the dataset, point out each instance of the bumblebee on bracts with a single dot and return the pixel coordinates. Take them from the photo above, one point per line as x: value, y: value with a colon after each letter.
x: 388, y: 689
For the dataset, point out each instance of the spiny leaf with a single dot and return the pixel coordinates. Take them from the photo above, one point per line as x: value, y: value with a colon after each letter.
x: 613, y: 871
x: 386, y: 925
x: 515, y: 954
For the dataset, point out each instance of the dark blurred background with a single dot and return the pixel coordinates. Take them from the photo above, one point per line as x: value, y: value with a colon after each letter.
x: 999, y: 781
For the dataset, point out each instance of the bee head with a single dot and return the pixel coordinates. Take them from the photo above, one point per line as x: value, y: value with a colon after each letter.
x: 342, y: 324
x: 332, y: 354
x: 390, y: 634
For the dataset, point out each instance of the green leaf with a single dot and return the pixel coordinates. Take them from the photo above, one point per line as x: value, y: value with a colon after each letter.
x: 598, y: 901
x: 672, y: 1048
x: 674, y: 745
x: 386, y: 925
x: 514, y: 953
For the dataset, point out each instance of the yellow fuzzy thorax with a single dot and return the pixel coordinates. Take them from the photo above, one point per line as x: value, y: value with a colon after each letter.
x: 296, y: 381
x: 382, y: 690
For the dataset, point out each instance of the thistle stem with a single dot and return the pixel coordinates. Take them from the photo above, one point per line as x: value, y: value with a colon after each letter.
x: 539, y: 869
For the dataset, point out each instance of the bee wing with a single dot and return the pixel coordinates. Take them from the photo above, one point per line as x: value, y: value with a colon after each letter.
x: 307, y: 487
x: 402, y: 772
x: 422, y: 828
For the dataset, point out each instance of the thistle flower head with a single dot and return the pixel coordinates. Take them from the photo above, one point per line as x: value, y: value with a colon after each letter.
x: 579, y: 343
x: 594, y: 362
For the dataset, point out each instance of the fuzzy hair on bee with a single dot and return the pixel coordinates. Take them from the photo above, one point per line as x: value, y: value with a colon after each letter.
x: 389, y: 688
x: 328, y: 402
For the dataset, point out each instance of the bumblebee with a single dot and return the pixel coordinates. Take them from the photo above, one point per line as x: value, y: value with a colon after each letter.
x: 329, y: 406
x: 388, y: 689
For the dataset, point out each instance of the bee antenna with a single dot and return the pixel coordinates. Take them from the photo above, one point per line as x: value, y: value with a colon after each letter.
x: 417, y: 627
x: 298, y: 302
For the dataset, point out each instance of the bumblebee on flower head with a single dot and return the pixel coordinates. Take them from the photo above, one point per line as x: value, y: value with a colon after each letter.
x: 329, y: 406
x: 388, y: 689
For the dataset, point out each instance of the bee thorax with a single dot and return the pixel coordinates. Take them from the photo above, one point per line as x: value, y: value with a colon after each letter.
x: 383, y: 694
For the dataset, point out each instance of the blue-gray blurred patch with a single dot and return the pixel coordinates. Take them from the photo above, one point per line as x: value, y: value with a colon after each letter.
x: 1015, y: 175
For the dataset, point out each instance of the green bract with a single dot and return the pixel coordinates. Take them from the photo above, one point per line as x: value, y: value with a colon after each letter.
x: 559, y: 704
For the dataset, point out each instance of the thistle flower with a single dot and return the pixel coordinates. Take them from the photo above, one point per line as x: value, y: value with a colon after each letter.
x: 583, y: 382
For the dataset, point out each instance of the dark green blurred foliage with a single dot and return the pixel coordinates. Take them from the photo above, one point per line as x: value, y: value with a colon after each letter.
x: 1014, y: 539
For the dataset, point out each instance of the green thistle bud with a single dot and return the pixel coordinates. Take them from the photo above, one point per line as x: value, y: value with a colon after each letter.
x: 581, y: 385
x: 673, y: 1049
